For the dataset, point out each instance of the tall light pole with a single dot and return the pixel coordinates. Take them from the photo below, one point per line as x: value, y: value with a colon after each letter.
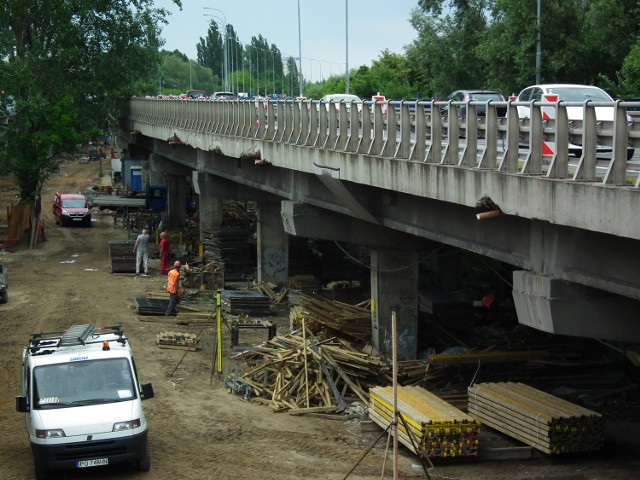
x: 538, y: 50
x: 346, y: 22
x: 299, y: 49
x: 224, y: 45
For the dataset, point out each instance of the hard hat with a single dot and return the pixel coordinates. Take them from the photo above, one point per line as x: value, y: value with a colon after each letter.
x: 177, y: 264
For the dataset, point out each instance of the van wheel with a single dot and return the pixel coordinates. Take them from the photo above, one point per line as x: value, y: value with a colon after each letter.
x: 4, y: 297
x: 41, y: 474
x: 144, y: 464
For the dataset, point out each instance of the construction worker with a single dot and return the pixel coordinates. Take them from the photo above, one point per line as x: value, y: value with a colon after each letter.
x: 173, y: 284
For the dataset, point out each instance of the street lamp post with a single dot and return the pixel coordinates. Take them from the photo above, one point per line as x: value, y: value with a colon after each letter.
x: 346, y: 22
x: 299, y: 50
x: 224, y: 45
x: 538, y: 49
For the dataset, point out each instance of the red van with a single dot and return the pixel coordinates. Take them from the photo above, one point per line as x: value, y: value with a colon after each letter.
x: 70, y: 209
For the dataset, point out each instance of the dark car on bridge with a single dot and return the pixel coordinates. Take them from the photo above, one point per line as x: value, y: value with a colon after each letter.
x: 475, y: 96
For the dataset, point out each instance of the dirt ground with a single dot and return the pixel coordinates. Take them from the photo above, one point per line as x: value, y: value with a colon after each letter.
x: 197, y: 430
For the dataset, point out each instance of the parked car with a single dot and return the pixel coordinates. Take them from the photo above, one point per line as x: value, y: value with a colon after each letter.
x: 70, y: 209
x: 339, y: 98
x: 572, y: 93
x: 478, y: 95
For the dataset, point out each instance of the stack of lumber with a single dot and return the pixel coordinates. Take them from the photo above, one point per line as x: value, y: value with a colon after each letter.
x: 536, y: 418
x: 322, y: 314
x: 437, y: 428
x: 475, y: 358
x: 179, y: 340
x: 228, y: 249
x: 300, y: 373
x: 245, y: 301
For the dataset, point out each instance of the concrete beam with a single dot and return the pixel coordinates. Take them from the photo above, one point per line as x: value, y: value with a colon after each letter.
x: 303, y: 220
x: 566, y: 308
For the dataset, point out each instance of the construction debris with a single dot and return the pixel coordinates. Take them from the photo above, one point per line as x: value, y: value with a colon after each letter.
x: 269, y: 289
x: 297, y: 371
x: 541, y: 420
x: 428, y: 426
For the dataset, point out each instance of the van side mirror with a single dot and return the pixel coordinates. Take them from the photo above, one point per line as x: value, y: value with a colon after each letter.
x: 147, y: 391
x: 21, y: 404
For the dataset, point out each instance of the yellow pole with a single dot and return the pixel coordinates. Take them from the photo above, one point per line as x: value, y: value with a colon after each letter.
x: 219, y: 333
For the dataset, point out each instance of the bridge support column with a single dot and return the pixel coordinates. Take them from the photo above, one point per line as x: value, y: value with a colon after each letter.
x: 565, y: 308
x: 273, y: 245
x: 395, y: 290
x: 176, y: 201
x: 209, y: 203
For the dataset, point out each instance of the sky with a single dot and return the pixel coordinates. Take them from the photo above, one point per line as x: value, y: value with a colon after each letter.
x: 374, y: 25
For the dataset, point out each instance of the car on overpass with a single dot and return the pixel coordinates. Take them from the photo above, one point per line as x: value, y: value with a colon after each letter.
x: 573, y: 93
x: 476, y: 95
x: 338, y: 98
x: 216, y: 96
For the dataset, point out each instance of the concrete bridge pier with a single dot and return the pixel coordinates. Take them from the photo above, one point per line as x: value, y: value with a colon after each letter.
x: 210, y: 210
x: 176, y: 177
x: 273, y: 245
x: 395, y: 289
x: 176, y: 201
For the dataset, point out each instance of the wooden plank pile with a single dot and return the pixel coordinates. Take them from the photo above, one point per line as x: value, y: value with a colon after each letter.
x: 307, y: 375
x: 538, y: 419
x: 178, y: 340
x: 437, y: 428
x: 332, y: 316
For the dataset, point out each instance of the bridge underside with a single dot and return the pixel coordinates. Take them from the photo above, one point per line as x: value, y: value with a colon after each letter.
x: 566, y: 280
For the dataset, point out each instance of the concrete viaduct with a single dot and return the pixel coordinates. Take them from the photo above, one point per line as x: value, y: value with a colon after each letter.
x: 407, y: 179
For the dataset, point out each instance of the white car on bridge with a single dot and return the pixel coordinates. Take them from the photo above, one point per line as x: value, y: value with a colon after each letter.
x: 571, y: 93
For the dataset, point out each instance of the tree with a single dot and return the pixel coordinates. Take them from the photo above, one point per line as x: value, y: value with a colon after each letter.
x: 444, y: 56
x: 210, y: 50
x: 71, y: 71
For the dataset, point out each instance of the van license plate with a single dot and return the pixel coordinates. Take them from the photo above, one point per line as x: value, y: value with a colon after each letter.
x: 92, y: 463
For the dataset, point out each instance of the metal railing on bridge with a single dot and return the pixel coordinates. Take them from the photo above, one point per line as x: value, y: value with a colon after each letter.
x: 533, y: 138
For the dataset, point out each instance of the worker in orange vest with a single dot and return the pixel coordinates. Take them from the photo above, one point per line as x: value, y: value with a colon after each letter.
x: 173, y: 284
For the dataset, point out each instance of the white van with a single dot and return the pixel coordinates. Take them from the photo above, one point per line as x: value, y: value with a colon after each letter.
x: 82, y: 400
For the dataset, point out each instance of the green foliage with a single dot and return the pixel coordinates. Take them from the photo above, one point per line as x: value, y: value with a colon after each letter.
x: 628, y: 85
x: 72, y: 70
x: 492, y: 44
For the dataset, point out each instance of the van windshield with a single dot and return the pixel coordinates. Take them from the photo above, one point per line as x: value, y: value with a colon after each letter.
x: 73, y: 203
x: 87, y: 382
